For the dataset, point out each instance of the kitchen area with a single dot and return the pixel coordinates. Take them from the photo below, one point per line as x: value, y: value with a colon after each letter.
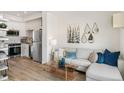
x: 20, y: 35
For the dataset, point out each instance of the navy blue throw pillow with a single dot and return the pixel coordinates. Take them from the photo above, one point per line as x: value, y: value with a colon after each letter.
x: 111, y: 58
x: 100, y: 58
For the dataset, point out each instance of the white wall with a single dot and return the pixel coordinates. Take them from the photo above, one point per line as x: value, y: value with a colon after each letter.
x: 52, y: 31
x: 122, y: 42
x: 44, y: 38
x: 33, y: 24
x: 122, y: 51
x: 106, y: 38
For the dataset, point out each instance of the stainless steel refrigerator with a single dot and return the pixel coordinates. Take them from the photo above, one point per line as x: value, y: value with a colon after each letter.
x: 36, y: 49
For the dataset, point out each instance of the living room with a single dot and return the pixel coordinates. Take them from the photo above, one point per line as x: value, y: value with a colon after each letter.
x: 109, y: 35
x: 82, y: 46
x: 76, y: 46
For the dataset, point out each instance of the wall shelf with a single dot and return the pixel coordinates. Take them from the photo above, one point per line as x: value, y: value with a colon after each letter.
x: 3, y: 49
x: 5, y: 58
x: 1, y: 29
x: 3, y: 38
x: 3, y: 78
x: 3, y: 20
x: 3, y: 67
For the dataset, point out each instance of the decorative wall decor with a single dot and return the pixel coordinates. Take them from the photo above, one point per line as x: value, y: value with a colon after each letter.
x: 95, y: 28
x: 91, y: 38
x: 87, y: 29
x: 84, y: 38
x: 73, y: 34
x: 90, y: 33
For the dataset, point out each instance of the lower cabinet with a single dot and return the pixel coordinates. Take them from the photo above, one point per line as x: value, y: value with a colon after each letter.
x: 25, y: 50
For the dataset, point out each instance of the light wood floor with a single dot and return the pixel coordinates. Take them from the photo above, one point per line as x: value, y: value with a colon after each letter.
x: 24, y: 69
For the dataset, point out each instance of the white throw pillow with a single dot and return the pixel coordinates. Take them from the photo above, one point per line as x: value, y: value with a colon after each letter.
x: 93, y: 57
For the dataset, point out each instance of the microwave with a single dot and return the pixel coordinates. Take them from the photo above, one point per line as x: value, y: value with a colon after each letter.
x: 12, y: 33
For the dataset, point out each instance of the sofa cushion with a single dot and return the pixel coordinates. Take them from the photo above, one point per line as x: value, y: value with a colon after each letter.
x: 83, y: 53
x: 81, y: 62
x: 103, y: 72
x: 111, y: 58
x: 78, y: 62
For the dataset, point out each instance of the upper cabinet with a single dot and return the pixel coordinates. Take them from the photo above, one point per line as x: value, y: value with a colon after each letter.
x: 118, y: 20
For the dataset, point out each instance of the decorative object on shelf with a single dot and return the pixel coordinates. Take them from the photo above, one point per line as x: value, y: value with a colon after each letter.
x: 3, y: 25
x: 73, y: 34
x: 91, y: 38
x: 95, y: 28
x: 87, y: 29
x: 84, y: 38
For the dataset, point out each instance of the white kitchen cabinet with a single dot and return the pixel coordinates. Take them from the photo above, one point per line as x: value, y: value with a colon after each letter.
x: 25, y: 50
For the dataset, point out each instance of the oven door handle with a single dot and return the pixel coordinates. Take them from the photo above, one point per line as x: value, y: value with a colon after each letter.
x: 13, y: 46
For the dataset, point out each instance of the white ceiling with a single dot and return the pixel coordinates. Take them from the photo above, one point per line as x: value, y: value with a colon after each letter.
x: 79, y: 13
x: 22, y: 14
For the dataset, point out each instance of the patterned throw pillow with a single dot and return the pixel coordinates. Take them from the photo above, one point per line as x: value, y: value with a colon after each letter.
x: 93, y: 57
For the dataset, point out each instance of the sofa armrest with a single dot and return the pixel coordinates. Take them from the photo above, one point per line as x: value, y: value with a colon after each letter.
x: 120, y: 62
x: 121, y: 67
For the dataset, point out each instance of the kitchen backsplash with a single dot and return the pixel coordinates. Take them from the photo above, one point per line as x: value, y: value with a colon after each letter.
x: 13, y: 40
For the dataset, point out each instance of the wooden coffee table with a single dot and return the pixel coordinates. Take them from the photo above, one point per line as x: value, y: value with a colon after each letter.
x: 67, y: 73
x: 69, y: 68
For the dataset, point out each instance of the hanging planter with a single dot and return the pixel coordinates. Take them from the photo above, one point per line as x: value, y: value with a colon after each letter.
x: 95, y: 28
x: 87, y: 29
x: 90, y: 38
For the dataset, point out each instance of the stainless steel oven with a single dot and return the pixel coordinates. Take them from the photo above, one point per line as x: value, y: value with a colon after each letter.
x: 14, y: 49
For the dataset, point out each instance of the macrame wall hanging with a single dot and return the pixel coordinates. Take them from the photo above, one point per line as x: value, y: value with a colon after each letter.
x: 89, y: 33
